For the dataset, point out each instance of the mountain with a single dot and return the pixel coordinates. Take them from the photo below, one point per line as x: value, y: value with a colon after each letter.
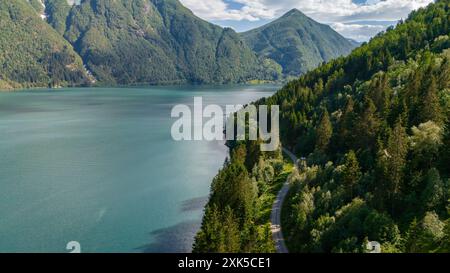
x: 32, y: 54
x: 158, y: 41
x: 152, y: 42
x: 373, y: 129
x: 57, y: 12
x: 297, y: 42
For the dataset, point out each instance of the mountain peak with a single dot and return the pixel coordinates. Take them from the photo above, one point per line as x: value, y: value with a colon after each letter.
x: 294, y: 12
x: 297, y: 42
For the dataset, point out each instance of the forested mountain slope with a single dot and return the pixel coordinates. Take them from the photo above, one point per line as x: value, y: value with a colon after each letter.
x: 32, y: 54
x: 297, y: 42
x: 374, y: 130
x: 159, y: 41
x: 57, y: 12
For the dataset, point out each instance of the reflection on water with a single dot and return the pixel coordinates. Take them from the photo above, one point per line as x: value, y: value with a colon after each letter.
x: 99, y: 166
x: 175, y: 239
x: 194, y: 204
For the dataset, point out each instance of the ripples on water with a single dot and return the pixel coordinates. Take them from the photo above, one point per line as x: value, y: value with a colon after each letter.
x: 99, y: 166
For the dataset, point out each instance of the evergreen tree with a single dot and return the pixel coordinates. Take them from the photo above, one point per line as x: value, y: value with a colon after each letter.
x: 346, y: 126
x: 430, y: 109
x: 210, y: 238
x: 433, y: 196
x: 324, y: 132
x: 412, y: 237
x: 396, y: 153
x: 367, y: 126
x: 233, y: 188
x: 431, y: 233
x: 231, y: 232
x: 351, y: 173
x: 380, y: 92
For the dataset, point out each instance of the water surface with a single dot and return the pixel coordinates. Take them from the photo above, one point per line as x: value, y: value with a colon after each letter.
x: 99, y: 166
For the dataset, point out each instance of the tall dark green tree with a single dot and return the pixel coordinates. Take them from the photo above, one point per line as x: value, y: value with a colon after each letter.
x: 324, y: 132
x: 211, y: 236
x: 396, y: 152
x: 430, y: 109
x: 433, y: 197
x: 346, y: 126
x: 367, y: 126
x: 232, y: 240
x: 351, y: 173
x: 412, y: 237
x: 233, y: 188
x: 380, y: 92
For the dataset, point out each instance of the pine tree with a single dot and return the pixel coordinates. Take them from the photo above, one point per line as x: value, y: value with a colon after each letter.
x: 233, y: 188
x: 380, y: 92
x: 231, y: 232
x: 434, y: 193
x: 430, y: 109
x: 411, y: 238
x: 211, y: 237
x: 318, y: 88
x: 390, y: 167
x: 324, y: 132
x: 397, y: 150
x: 367, y: 126
x: 351, y: 173
x: 346, y: 126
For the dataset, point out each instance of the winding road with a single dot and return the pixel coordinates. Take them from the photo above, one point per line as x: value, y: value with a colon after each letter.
x: 275, y: 217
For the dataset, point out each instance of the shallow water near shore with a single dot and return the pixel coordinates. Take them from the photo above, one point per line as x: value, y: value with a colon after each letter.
x: 99, y: 166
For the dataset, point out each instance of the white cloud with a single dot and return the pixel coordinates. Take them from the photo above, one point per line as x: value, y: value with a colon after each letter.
x: 211, y: 9
x: 343, y: 15
x: 358, y: 32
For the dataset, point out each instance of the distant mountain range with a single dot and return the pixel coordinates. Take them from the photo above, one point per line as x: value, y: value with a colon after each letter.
x: 60, y: 43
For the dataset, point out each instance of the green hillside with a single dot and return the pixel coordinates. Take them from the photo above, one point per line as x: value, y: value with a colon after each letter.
x: 155, y: 41
x: 57, y: 12
x: 32, y: 54
x: 297, y: 42
x: 373, y: 128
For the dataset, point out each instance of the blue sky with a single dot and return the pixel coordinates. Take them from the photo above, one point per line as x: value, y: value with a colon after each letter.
x: 356, y: 19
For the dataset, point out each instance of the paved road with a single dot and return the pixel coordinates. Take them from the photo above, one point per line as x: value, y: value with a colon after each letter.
x: 275, y: 217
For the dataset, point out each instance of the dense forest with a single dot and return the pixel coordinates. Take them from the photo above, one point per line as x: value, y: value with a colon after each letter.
x: 373, y: 129
x: 237, y: 216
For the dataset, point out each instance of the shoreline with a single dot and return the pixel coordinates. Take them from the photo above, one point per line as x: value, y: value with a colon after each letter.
x: 137, y: 85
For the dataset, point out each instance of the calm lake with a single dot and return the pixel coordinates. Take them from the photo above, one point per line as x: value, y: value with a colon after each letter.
x: 99, y: 166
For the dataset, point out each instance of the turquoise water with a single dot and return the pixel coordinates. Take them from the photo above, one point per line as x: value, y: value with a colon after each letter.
x: 99, y: 166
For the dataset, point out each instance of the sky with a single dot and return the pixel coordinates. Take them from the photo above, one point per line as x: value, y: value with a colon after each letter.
x: 356, y: 19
